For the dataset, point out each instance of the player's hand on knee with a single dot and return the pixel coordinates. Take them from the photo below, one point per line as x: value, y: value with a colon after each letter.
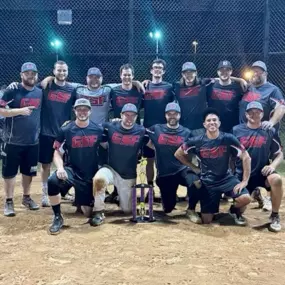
x: 238, y: 188
x: 13, y: 85
x: 61, y: 174
x: 267, y: 170
x: 267, y: 125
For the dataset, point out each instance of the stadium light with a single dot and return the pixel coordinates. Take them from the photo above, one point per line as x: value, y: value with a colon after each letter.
x: 56, y: 44
x: 195, y: 44
x: 247, y: 75
x: 157, y: 36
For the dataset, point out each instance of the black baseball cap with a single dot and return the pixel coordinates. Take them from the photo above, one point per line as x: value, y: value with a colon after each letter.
x: 225, y: 64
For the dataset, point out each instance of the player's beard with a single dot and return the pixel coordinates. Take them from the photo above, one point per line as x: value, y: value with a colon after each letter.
x: 173, y: 122
x: 61, y: 78
x: 128, y: 124
x: 94, y: 85
x: 257, y: 80
x: 29, y: 82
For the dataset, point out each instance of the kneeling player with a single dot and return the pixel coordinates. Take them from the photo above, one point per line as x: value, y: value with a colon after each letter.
x: 80, y: 139
x: 214, y: 149
x: 166, y: 139
x: 262, y: 145
x: 125, y: 139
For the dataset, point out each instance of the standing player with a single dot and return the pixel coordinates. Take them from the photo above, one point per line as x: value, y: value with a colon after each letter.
x: 125, y: 139
x: 80, y: 138
x: 166, y: 139
x: 22, y: 109
x: 57, y: 107
x: 214, y: 149
x: 262, y: 145
x: 224, y: 95
x: 157, y: 95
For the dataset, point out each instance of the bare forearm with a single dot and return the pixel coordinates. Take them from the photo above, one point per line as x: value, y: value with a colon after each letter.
x: 277, y: 115
x: 246, y: 165
x: 57, y: 159
x: 183, y: 158
x: 8, y: 113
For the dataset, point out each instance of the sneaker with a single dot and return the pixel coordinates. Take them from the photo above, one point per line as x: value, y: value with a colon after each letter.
x: 29, y: 203
x: 97, y: 219
x: 45, y: 201
x: 9, y: 209
x: 256, y: 195
x: 56, y: 226
x: 193, y: 217
x: 275, y: 225
x: 267, y: 207
x: 237, y: 216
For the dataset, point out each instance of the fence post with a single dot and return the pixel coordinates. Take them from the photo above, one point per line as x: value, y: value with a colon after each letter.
x: 266, y: 31
x: 131, y: 31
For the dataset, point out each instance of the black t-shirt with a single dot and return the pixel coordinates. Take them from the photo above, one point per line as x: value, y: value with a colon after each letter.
x: 120, y: 97
x: 261, y: 145
x: 166, y: 141
x: 124, y: 146
x: 267, y: 94
x: 214, y: 155
x: 193, y: 102
x: 22, y: 130
x: 81, y: 145
x: 57, y: 108
x: 225, y: 99
x: 156, y: 97
x: 100, y: 102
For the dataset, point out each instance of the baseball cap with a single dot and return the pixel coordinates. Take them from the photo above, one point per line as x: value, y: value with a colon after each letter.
x: 29, y: 66
x: 172, y: 107
x: 189, y: 66
x: 82, y: 102
x: 254, y: 105
x: 225, y: 64
x: 94, y: 71
x: 260, y: 64
x: 130, y: 108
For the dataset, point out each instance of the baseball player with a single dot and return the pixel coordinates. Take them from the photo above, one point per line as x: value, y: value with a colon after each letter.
x: 22, y: 109
x: 166, y: 139
x: 80, y: 139
x: 271, y: 100
x: 157, y: 95
x: 214, y: 149
x: 262, y: 146
x: 125, y: 139
x: 224, y: 95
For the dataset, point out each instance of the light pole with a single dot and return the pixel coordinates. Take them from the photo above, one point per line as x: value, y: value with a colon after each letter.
x: 56, y: 44
x: 155, y: 35
x: 195, y: 44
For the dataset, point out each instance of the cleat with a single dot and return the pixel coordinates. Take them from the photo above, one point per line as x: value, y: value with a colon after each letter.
x: 97, y: 219
x: 30, y: 204
x: 275, y: 225
x: 237, y: 216
x: 256, y: 195
x: 193, y: 217
x: 9, y: 209
x: 56, y: 226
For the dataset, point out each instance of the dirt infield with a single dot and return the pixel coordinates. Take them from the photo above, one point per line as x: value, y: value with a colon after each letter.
x: 171, y: 251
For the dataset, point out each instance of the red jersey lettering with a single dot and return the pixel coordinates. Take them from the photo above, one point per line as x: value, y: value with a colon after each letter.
x: 128, y: 140
x: 224, y: 95
x: 58, y: 96
x: 251, y: 96
x: 166, y: 139
x: 154, y: 94
x: 213, y: 152
x: 95, y: 101
x: 26, y: 102
x: 121, y: 101
x: 189, y: 92
x: 253, y: 141
x: 84, y: 141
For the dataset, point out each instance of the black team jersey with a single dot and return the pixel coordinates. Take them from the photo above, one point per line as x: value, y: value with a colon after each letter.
x: 123, y: 147
x: 22, y: 130
x: 166, y: 141
x: 156, y: 97
x: 261, y: 145
x: 81, y: 145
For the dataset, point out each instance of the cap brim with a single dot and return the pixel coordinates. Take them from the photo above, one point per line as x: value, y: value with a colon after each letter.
x: 254, y: 108
x: 189, y: 69
x: 172, y: 110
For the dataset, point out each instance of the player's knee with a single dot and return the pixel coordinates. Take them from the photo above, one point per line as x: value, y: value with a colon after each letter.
x: 53, y: 188
x: 99, y: 183
x: 275, y: 180
x: 244, y: 199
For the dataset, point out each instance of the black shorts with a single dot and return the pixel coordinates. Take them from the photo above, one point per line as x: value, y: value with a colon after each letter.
x: 46, y: 149
x: 15, y: 156
x: 211, y: 194
x: 148, y: 152
x: 257, y: 181
x: 102, y: 155
x: 83, y: 189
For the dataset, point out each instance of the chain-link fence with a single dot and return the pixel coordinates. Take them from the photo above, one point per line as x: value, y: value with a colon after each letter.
x: 110, y: 33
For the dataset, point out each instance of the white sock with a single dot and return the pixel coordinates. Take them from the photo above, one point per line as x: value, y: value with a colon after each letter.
x: 44, y: 187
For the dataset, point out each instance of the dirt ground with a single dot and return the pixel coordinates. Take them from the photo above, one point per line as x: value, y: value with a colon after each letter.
x: 170, y: 251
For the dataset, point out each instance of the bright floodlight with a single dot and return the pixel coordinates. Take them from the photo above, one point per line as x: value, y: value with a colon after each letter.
x: 194, y: 43
x: 56, y: 43
x: 156, y: 35
x: 247, y: 75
